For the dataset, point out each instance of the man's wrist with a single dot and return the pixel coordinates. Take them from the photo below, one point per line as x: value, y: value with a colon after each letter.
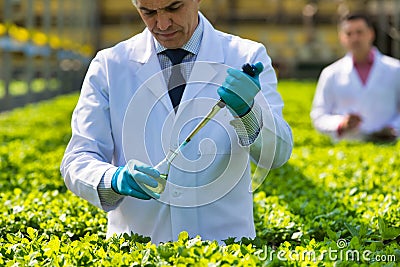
x: 340, y: 130
x: 248, y: 126
x: 244, y: 111
x: 108, y: 197
x: 114, y: 180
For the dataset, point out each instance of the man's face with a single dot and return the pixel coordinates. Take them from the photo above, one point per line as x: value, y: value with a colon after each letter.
x: 356, y: 36
x: 172, y: 22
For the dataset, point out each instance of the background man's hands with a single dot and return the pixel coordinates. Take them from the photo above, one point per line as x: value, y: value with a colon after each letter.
x: 386, y: 134
x: 349, y: 123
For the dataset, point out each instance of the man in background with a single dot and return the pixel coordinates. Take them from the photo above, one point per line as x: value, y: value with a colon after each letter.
x: 358, y: 96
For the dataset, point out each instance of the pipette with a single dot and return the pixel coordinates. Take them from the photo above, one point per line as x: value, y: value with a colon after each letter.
x: 164, y: 166
x: 248, y: 69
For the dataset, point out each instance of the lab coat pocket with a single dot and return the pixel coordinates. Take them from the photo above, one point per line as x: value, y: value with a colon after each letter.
x: 219, y: 171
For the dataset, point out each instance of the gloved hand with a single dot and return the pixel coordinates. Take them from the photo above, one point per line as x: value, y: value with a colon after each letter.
x: 239, y: 89
x: 125, y: 183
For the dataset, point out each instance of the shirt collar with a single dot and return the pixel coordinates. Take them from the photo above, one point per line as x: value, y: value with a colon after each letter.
x: 193, y: 45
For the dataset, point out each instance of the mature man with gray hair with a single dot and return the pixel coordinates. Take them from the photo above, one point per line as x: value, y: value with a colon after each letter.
x: 128, y: 113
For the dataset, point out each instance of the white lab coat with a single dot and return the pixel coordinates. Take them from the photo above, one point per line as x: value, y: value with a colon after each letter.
x: 124, y: 112
x: 340, y: 92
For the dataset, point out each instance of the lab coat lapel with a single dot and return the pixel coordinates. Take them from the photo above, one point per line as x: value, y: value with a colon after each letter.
x: 350, y: 75
x: 155, y: 83
x: 375, y: 72
x: 149, y: 73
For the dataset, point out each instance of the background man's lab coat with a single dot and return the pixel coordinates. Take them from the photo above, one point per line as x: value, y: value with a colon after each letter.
x: 340, y: 92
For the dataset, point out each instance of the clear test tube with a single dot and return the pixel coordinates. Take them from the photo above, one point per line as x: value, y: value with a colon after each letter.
x: 163, y: 167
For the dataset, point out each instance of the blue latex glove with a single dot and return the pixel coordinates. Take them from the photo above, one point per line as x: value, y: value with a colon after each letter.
x: 124, y: 183
x: 239, y: 89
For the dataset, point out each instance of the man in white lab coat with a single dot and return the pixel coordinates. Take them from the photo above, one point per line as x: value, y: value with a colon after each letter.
x: 358, y: 96
x: 126, y: 113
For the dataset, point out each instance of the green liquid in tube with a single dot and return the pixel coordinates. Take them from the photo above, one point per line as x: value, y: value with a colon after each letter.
x: 163, y: 168
x: 162, y: 181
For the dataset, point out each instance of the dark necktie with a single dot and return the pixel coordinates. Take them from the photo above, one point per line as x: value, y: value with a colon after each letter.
x: 177, y: 82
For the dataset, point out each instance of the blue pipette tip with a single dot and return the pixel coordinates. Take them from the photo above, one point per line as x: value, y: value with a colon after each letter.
x: 184, y: 144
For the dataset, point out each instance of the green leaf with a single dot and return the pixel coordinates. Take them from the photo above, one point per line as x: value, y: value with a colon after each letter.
x: 391, y: 233
x: 363, y: 231
x: 183, y: 236
x: 332, y: 235
x: 353, y: 230
x: 229, y: 241
x: 165, y: 251
x: 52, y: 247
x: 387, y: 233
x: 32, y: 233
x: 355, y: 242
x: 382, y: 226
